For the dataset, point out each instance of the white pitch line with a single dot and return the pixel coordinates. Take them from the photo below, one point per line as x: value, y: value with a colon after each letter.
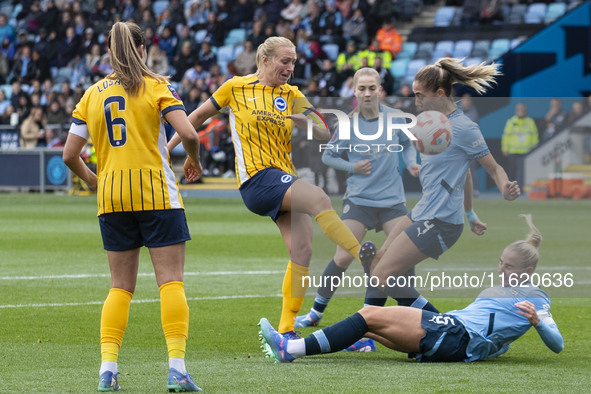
x: 141, y: 274
x: 57, y: 305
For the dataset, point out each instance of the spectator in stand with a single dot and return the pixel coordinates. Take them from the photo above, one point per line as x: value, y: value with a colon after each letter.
x: 196, y: 72
x: 185, y: 35
x: 47, y: 92
x: 374, y: 51
x: 215, y: 29
x: 192, y: 100
x: 151, y: 38
x: 52, y: 137
x: 4, y: 101
x: 70, y: 47
x: 294, y: 9
x: 184, y: 60
x: 245, y: 62
x: 40, y: 66
x: 355, y: 28
x: 386, y: 78
x: 553, y: 118
x: 33, y: 129
x: 100, y: 18
x: 196, y: 14
x: 389, y: 39
x: 56, y: 114
x: 348, y: 61
x: 312, y: 19
x: 92, y: 61
x: 33, y: 20
x: 347, y: 89
x: 51, y: 16
x: 257, y: 37
x: 22, y: 69
x: 270, y: 10
x: 328, y: 79
x: 143, y: 5
x: 147, y: 20
x: 80, y: 25
x: 207, y: 57
x: 22, y: 41
x: 519, y: 138
x: 23, y: 107
x: 7, y: 49
x: 331, y: 23
x: 405, y: 100
x: 87, y: 41
x: 17, y: 92
x: 242, y: 12
x: 168, y: 42
x: 157, y: 61
x: 6, y: 29
x: 9, y: 116
x: 128, y: 10
x: 577, y: 110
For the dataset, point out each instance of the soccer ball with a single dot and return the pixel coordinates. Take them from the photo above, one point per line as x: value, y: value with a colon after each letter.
x: 433, y: 131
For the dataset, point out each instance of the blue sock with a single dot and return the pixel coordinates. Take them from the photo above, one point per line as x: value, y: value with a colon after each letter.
x: 337, y: 337
x: 325, y: 293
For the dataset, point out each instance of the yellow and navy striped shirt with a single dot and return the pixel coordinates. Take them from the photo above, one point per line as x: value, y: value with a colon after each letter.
x: 133, y: 166
x: 261, y: 133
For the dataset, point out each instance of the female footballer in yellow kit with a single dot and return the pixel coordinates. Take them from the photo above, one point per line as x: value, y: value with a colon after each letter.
x: 263, y: 109
x: 138, y: 199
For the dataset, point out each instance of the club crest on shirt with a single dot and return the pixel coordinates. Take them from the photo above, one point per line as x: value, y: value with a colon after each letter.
x: 174, y: 93
x: 280, y: 103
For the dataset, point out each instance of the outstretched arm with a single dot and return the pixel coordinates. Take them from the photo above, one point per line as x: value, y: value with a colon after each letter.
x: 509, y: 189
x: 197, y: 117
x: 544, y: 324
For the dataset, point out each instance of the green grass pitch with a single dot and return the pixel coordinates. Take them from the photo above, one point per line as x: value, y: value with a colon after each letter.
x: 54, y: 278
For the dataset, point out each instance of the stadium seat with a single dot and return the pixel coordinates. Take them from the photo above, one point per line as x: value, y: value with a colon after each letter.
x: 517, y: 13
x: 499, y: 47
x: 516, y: 41
x: 331, y: 50
x: 554, y: 11
x: 235, y: 36
x: 7, y: 90
x: 159, y: 6
x: 462, y: 49
x: 444, y: 16
x: 535, y: 13
x: 481, y: 48
x: 413, y: 67
x: 398, y: 68
x: 408, y: 50
x: 200, y: 36
x: 238, y: 49
x: 473, y: 60
x: 225, y: 53
x: 443, y: 49
x: 425, y: 50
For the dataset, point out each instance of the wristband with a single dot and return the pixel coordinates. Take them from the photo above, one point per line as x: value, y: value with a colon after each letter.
x: 471, y: 216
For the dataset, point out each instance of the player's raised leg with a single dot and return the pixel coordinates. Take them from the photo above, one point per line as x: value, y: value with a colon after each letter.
x: 335, y: 269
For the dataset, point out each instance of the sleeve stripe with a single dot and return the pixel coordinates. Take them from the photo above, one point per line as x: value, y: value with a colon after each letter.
x: 215, y: 103
x: 78, y: 121
x: 173, y: 108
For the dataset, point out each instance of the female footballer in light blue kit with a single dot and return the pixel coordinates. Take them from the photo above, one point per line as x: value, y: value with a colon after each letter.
x: 437, y: 221
x: 375, y: 195
x: 484, y: 329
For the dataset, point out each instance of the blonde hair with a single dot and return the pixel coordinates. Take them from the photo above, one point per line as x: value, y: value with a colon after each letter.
x: 527, y: 250
x: 129, y: 68
x: 447, y: 72
x: 363, y: 72
x: 269, y: 48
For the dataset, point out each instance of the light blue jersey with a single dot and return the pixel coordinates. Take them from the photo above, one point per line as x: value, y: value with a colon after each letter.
x: 493, y: 322
x: 443, y: 175
x: 383, y: 187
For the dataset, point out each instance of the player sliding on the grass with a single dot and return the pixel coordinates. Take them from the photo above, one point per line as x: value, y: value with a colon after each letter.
x: 375, y: 195
x: 437, y: 220
x: 483, y: 329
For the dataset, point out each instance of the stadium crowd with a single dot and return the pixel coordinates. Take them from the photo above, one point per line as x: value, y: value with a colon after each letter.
x: 51, y: 50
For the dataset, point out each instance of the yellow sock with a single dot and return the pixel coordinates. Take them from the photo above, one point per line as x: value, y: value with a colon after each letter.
x: 337, y: 232
x: 114, y: 319
x: 174, y: 313
x: 293, y: 295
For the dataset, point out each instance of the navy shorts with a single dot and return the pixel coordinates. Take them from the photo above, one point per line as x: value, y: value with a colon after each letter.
x: 433, y: 237
x: 371, y: 217
x: 131, y: 230
x: 446, y: 338
x: 264, y: 192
